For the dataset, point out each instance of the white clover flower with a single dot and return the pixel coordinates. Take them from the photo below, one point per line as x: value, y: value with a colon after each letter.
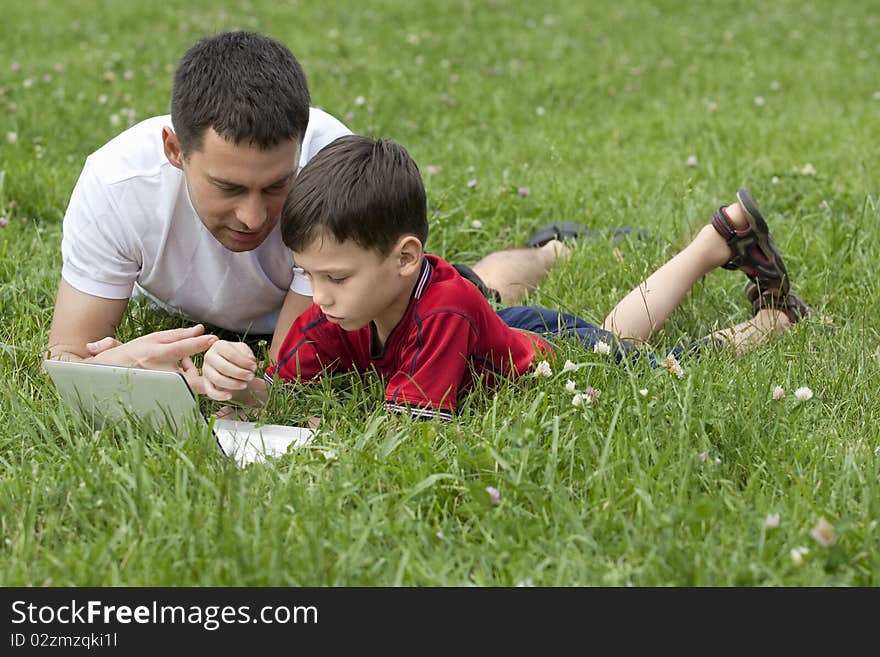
x: 569, y: 366
x: 808, y: 170
x: 778, y: 393
x: 359, y: 101
x: 440, y: 534
x: 543, y: 369
x: 691, y: 161
x: 570, y: 386
x: 579, y: 399
x: 823, y: 533
x: 760, y: 101
x: 472, y: 183
x: 527, y: 582
x: 797, y: 555
x: 643, y: 392
x: 540, y: 111
x: 494, y: 495
x: 673, y: 366
x: 11, y: 137
x: 775, y: 180
x: 803, y: 394
x: 601, y: 348
x: 476, y: 223
x: 703, y: 456
x: 771, y: 521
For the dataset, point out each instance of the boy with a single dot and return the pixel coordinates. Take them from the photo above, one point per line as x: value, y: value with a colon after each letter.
x: 356, y: 222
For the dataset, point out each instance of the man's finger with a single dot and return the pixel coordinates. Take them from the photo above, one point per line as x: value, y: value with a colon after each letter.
x: 180, y: 349
x: 192, y: 375
x: 102, y: 345
x: 178, y: 334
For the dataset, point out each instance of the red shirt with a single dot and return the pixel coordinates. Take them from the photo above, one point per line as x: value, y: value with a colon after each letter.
x: 448, y: 336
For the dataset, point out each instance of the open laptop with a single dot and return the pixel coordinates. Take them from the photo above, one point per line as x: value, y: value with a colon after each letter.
x: 104, y: 394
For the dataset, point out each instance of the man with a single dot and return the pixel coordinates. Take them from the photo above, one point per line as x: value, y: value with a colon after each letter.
x: 183, y: 210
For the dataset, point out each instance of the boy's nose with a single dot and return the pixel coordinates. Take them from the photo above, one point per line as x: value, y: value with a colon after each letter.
x: 320, y: 296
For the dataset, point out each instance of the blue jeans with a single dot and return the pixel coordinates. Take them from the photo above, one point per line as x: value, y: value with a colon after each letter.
x: 552, y: 323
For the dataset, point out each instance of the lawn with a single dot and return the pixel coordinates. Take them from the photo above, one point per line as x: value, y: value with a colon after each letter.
x: 632, y: 113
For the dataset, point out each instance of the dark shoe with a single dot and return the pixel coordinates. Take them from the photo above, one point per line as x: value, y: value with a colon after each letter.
x: 790, y: 303
x: 754, y: 251
x: 570, y: 231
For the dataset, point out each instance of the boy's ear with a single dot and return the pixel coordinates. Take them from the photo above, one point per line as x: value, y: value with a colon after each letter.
x: 409, y: 252
x: 172, y: 147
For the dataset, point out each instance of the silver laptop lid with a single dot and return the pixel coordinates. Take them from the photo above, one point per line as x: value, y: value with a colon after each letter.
x: 104, y: 394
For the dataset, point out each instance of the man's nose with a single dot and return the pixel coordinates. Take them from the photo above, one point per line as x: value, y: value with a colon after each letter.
x: 253, y: 212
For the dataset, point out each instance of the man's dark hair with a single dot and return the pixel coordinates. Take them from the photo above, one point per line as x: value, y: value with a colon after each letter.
x: 357, y: 188
x: 247, y: 86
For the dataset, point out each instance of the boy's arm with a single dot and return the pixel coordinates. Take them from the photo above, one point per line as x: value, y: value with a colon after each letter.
x: 83, y: 327
x: 294, y: 306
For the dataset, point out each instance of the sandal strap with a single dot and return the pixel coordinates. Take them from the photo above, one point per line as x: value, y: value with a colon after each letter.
x: 740, y: 242
x: 790, y: 303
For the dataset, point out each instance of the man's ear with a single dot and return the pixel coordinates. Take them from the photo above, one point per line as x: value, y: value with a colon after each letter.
x: 172, y: 147
x: 409, y: 252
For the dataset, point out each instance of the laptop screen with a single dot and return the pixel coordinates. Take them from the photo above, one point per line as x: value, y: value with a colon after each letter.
x: 105, y: 394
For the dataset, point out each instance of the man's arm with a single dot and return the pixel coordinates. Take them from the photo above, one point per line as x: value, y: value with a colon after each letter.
x: 294, y: 306
x: 82, y: 318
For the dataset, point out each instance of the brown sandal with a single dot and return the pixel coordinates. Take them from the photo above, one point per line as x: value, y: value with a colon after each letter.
x: 754, y: 251
x: 790, y: 303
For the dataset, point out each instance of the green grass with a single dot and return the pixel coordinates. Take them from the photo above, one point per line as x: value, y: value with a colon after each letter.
x: 595, y: 107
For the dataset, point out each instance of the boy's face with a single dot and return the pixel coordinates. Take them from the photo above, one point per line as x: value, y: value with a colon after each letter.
x: 354, y: 285
x: 237, y: 190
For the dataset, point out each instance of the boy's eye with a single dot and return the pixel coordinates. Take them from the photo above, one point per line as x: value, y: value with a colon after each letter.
x: 336, y: 279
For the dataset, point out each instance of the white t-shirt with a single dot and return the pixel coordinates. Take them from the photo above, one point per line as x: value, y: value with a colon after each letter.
x: 130, y: 229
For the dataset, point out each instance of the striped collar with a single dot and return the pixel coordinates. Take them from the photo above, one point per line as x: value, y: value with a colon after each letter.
x: 424, y: 278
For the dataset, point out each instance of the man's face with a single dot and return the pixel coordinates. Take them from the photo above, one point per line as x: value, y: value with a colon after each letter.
x: 237, y: 190
x: 353, y: 285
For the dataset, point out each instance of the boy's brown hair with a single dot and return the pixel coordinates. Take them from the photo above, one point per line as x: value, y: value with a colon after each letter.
x: 356, y: 188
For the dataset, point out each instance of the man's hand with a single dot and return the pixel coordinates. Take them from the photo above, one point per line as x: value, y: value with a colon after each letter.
x: 228, y: 370
x: 164, y: 350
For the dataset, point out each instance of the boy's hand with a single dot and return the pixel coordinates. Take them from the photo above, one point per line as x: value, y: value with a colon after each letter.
x: 228, y: 369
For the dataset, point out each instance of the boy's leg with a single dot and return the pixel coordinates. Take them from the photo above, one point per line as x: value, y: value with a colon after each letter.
x: 647, y: 307
x: 513, y: 273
